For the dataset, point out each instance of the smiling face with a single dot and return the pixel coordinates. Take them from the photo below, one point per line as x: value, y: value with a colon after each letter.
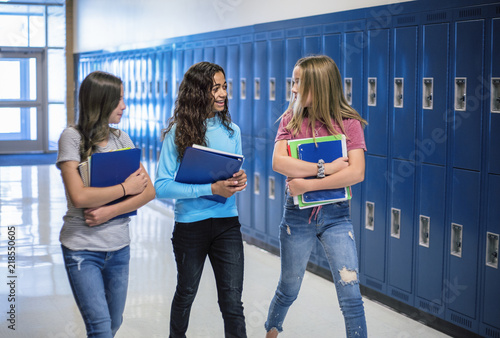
x: 219, y: 91
x: 116, y: 114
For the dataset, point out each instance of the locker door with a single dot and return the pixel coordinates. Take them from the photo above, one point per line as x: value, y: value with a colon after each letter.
x: 220, y: 57
x: 467, y: 97
x: 179, y: 70
x: 276, y: 107
x: 188, y: 58
x: 375, y: 228
x: 312, y: 40
x: 198, y: 53
x: 461, y: 285
x: 246, y: 88
x: 434, y: 83
x: 430, y: 223
x: 233, y: 83
x: 260, y: 104
x: 245, y: 198
x: 404, y: 93
x: 332, y: 47
x: 400, y: 243
x: 209, y: 51
x: 292, y: 55
x: 352, y: 72
x: 377, y: 83
x: 491, y: 279
x: 494, y: 110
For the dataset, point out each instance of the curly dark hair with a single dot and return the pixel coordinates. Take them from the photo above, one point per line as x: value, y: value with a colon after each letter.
x: 194, y: 105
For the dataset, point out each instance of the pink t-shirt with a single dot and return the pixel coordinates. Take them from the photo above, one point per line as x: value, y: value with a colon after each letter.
x: 355, y: 138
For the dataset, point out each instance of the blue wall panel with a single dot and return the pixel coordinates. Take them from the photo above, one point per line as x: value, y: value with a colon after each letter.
x: 469, y: 53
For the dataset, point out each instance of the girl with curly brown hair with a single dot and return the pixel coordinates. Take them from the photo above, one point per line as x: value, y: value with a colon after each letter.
x: 203, y: 227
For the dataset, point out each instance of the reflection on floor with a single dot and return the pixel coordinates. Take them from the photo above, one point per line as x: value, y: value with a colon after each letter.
x: 32, y: 204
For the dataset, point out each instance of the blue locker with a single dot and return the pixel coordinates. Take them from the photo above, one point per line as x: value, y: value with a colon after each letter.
x: 198, y: 52
x: 246, y: 88
x: 179, y: 71
x: 401, y: 238
x: 293, y: 53
x: 467, y: 96
x: 220, y: 56
x: 244, y: 198
x: 461, y: 283
x: 188, y: 58
x: 259, y: 188
x: 494, y: 118
x: 375, y: 226
x: 276, y: 106
x: 434, y: 83
x: 232, y: 78
x: 332, y: 47
x: 377, y: 84
x: 209, y: 51
x: 431, y: 229
x: 404, y: 94
x: 312, y: 40
x: 260, y: 86
x: 351, y: 67
x: 491, y: 278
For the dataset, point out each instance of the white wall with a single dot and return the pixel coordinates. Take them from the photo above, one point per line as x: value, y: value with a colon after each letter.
x: 109, y: 24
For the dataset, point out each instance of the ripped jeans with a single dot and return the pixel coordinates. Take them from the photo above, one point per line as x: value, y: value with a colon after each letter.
x: 333, y: 227
x: 99, y: 281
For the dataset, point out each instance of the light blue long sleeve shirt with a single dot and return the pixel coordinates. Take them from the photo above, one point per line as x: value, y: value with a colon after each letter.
x: 189, y: 206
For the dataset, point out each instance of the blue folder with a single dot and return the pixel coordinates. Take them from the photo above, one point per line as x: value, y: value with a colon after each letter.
x: 112, y: 168
x: 202, y: 165
x: 328, y: 151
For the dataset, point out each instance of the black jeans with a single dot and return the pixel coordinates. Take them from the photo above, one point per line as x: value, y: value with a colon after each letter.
x: 220, y: 239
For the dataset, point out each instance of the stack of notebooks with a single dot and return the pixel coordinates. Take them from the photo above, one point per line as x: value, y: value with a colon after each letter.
x: 327, y: 148
x: 110, y: 168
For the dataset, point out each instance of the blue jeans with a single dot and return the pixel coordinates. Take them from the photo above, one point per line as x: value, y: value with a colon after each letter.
x: 99, y: 281
x: 333, y: 227
x: 220, y: 240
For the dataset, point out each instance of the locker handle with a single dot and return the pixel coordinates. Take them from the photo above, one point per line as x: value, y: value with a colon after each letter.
x: 429, y: 98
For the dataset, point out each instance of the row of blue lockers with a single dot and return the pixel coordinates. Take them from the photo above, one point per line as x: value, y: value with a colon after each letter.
x: 428, y: 82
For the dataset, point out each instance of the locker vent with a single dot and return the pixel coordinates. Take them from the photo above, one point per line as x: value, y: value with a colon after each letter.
x: 436, y: 16
x: 400, y: 295
x: 461, y: 320
x: 374, y: 284
x: 465, y: 13
x: 407, y: 19
x: 492, y: 333
x: 429, y: 307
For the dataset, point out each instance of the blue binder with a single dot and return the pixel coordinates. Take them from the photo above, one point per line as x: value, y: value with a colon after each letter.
x: 112, y: 168
x: 202, y: 165
x: 328, y: 151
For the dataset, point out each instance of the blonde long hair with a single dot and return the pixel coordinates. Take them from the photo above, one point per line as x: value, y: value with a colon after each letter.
x: 320, y: 78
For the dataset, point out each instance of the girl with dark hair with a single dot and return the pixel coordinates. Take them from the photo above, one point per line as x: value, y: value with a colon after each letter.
x: 318, y: 108
x: 203, y: 227
x: 95, y: 245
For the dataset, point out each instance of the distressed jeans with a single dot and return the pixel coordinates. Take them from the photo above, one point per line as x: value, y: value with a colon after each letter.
x: 299, y: 229
x: 220, y: 240
x: 99, y: 281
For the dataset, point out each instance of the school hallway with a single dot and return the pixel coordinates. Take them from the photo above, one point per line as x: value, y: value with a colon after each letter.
x: 32, y: 203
